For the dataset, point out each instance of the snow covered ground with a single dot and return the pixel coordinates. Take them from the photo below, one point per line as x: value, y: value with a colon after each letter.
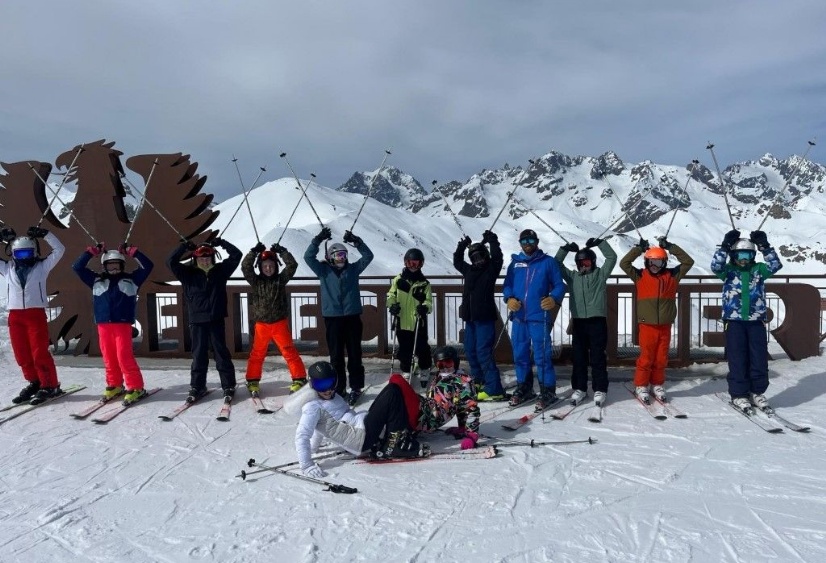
x: 712, y: 487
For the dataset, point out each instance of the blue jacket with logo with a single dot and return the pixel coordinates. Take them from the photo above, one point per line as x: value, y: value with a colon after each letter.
x: 529, y: 279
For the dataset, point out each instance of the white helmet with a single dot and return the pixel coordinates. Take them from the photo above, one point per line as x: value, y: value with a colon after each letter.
x: 24, y: 248
x: 334, y: 251
x: 110, y: 255
x: 744, y: 244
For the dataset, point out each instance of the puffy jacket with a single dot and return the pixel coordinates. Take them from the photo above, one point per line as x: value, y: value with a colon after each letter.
x: 268, y: 295
x: 478, y: 302
x: 340, y: 293
x: 31, y: 293
x: 205, y: 293
x: 447, y: 397
x: 409, y: 290
x: 311, y: 426
x: 657, y: 295
x: 114, y: 297
x: 740, y: 304
x: 530, y: 279
x: 588, y: 294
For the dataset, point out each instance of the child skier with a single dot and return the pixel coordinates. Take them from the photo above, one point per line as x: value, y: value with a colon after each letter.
x: 114, y: 298
x: 744, y: 314
x: 269, y: 310
x: 410, y: 298
x: 656, y: 311
x: 589, y: 308
x: 27, y: 300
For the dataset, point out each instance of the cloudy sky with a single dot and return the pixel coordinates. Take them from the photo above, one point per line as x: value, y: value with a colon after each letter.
x: 450, y: 87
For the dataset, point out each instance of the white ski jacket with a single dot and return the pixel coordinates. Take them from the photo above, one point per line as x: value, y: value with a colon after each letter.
x: 34, y: 294
x: 334, y: 420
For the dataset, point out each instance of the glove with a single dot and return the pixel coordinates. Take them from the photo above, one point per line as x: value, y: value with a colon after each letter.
x: 760, y: 239
x: 571, y: 247
x: 277, y: 248
x: 489, y: 236
x: 7, y: 234
x: 464, y: 242
x: 643, y: 244
x: 591, y: 242
x: 217, y: 242
x: 37, y: 232
x: 258, y: 248
x: 395, y: 309
x: 129, y: 250
x: 324, y: 234
x: 547, y: 303
x: 314, y: 471
x: 188, y: 244
x: 350, y: 237
x: 514, y: 304
x: 469, y: 441
x: 663, y: 242
x: 456, y: 431
x: 421, y: 310
x: 94, y: 250
x: 730, y: 238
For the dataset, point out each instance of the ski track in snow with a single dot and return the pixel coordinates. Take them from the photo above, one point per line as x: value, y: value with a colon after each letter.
x: 712, y: 487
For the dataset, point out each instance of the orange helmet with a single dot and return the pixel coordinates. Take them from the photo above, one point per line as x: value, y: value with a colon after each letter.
x: 655, y: 253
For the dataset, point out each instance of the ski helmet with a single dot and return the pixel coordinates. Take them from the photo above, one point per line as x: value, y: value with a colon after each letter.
x: 528, y: 234
x: 586, y: 254
x: 24, y: 249
x: 267, y: 255
x: 414, y: 254
x: 337, y: 255
x: 113, y: 255
x: 743, y: 249
x: 205, y: 249
x: 478, y: 253
x: 656, y: 253
x: 322, y: 376
x: 447, y: 354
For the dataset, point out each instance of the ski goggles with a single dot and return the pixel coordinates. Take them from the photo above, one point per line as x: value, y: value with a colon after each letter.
x: 527, y: 240
x: 744, y: 255
x: 23, y: 253
x: 659, y: 263
x: 323, y: 385
x: 339, y: 256
x: 202, y: 251
x: 445, y: 365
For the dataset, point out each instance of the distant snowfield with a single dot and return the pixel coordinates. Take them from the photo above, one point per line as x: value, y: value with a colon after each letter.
x: 710, y: 488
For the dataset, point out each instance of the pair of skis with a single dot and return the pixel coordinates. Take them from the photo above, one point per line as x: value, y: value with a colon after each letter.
x: 109, y: 414
x: 483, y: 452
x: 257, y: 403
x: 518, y: 423
x: 657, y: 408
x: 18, y: 409
x: 767, y: 419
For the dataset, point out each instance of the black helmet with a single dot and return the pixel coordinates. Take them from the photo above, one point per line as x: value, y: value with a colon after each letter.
x: 322, y: 376
x: 586, y: 254
x: 528, y: 233
x: 446, y: 353
x: 414, y: 254
x: 478, y: 253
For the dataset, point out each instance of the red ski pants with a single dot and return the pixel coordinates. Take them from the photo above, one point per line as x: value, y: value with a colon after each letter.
x: 29, y: 334
x: 279, y: 332
x: 118, y: 358
x: 654, y: 342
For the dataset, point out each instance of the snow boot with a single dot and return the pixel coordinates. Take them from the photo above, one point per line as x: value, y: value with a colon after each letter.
x: 45, y: 394
x: 642, y: 394
x: 297, y: 384
x: 578, y: 396
x: 27, y: 393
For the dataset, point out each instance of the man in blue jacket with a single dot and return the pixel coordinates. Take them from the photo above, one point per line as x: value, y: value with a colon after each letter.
x: 533, y: 288
x: 341, y: 306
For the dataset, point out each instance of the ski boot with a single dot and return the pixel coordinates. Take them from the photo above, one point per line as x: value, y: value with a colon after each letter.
x: 353, y: 396
x: 27, y: 393
x: 659, y: 393
x: 547, y: 397
x: 297, y: 384
x: 45, y: 394
x: 522, y: 394
x: 195, y: 394
x: 134, y: 396
x: 642, y: 394
x: 578, y: 396
x: 254, y: 386
x: 111, y: 392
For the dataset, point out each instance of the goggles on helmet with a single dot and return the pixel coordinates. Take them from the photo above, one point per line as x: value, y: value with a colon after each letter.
x: 339, y: 256
x: 656, y: 262
x: 23, y: 253
x: 322, y: 385
x: 528, y: 240
x: 204, y: 250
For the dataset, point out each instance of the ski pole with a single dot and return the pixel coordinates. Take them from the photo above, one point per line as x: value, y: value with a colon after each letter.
x: 455, y: 218
x: 710, y: 148
x: 302, y: 188
x: 614, y: 193
x: 370, y: 189
x: 504, y: 329
x: 694, y: 163
x: 146, y: 199
x: 624, y: 214
x: 510, y: 194
x: 244, y: 474
x: 414, y: 357
x: 244, y: 200
x: 80, y: 149
x: 394, y: 322
x: 57, y: 197
x: 505, y: 443
x: 332, y: 487
x: 290, y: 220
x: 140, y: 205
x: 541, y: 220
x: 787, y: 184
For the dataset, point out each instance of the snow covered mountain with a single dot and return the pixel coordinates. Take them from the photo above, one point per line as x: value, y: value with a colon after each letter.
x: 559, y: 196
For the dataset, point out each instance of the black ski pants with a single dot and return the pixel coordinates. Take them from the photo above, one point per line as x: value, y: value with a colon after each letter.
x: 422, y: 352
x: 589, y: 338
x: 344, y: 333
x: 389, y: 412
x: 205, y: 336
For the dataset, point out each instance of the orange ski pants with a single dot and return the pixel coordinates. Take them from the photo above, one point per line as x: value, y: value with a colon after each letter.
x: 654, y: 343
x: 278, y: 332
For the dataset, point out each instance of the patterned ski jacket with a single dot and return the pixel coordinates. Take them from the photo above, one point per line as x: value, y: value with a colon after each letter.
x: 530, y: 279
x: 588, y: 294
x: 656, y: 295
x: 268, y: 295
x: 340, y: 292
x: 30, y: 291
x: 409, y: 290
x: 447, y: 397
x: 740, y: 304
x: 114, y: 297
